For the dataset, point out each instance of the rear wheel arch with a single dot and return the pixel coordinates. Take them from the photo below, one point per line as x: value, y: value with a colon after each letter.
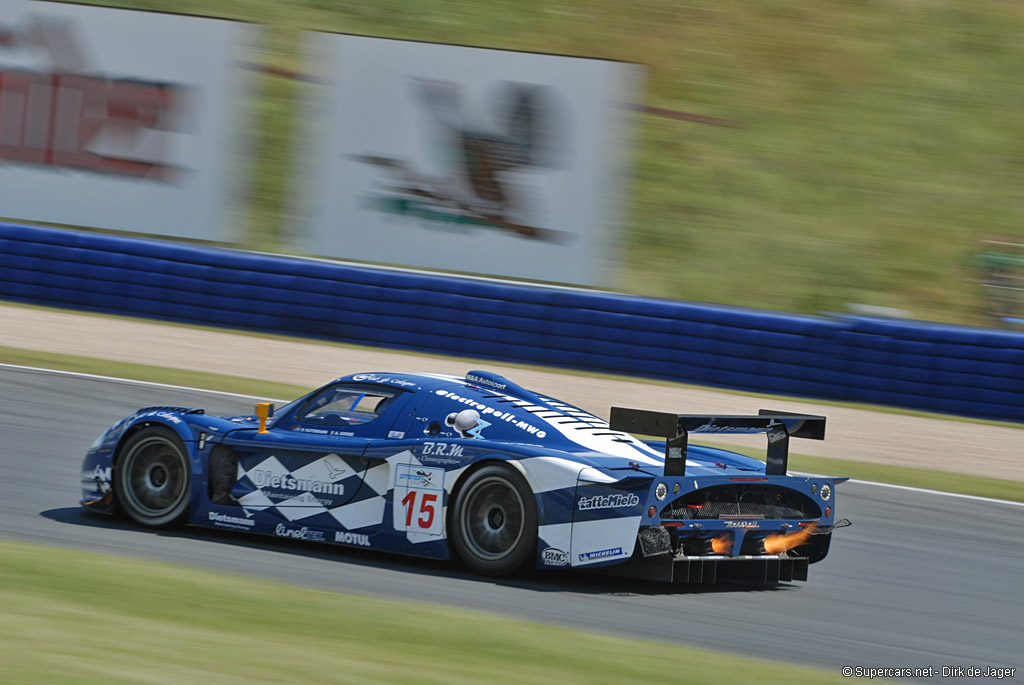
x: 476, y: 466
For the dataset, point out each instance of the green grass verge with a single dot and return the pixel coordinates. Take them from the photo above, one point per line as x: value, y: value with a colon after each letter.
x: 900, y: 475
x: 967, y: 484
x: 79, y: 617
x: 153, y: 374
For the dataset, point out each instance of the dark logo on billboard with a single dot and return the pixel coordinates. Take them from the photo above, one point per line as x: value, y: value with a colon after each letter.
x: 482, y: 185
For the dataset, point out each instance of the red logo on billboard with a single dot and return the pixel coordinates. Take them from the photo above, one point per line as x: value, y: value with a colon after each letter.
x: 60, y: 116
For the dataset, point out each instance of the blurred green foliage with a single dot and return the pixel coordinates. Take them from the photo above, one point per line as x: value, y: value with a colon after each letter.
x: 876, y: 141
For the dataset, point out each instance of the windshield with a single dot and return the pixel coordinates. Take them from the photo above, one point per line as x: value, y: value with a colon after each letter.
x: 346, y: 405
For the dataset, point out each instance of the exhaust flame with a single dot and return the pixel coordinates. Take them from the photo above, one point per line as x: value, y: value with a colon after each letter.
x: 722, y: 544
x: 778, y: 543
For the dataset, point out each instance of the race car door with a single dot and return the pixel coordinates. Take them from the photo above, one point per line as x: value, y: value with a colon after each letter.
x: 311, y: 467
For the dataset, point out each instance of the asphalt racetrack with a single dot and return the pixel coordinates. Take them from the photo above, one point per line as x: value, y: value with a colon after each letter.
x: 919, y: 580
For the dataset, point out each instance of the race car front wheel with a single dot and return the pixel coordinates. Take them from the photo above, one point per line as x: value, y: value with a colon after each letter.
x: 152, y: 477
x: 494, y: 521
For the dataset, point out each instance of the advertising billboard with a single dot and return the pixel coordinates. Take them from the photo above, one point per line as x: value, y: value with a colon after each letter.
x: 118, y: 119
x: 464, y: 159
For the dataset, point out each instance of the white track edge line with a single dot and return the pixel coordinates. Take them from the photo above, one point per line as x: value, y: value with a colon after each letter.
x: 151, y: 384
x: 133, y: 381
x: 911, y: 488
x: 927, y: 491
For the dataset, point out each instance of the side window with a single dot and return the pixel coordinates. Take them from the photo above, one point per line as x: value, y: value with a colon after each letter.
x: 346, y: 405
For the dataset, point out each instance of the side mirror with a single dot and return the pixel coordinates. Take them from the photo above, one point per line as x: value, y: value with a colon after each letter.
x: 264, y: 410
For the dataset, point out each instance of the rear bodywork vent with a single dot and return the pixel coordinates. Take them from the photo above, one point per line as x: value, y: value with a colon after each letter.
x: 742, y: 500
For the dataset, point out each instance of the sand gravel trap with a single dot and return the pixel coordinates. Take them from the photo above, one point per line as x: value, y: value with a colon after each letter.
x: 852, y: 433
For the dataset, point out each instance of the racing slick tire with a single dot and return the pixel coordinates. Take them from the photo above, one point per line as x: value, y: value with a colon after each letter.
x: 494, y: 521
x: 152, y: 478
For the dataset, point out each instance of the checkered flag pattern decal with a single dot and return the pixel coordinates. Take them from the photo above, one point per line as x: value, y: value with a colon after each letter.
x: 327, y: 491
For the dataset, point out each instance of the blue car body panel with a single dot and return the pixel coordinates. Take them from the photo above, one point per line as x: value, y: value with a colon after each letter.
x: 602, y: 496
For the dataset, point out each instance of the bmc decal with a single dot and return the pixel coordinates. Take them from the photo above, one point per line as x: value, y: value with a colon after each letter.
x: 554, y: 557
x: 608, y: 501
x: 418, y: 498
x: 601, y: 554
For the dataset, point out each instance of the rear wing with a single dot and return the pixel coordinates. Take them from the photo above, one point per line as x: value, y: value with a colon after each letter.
x: 779, y: 426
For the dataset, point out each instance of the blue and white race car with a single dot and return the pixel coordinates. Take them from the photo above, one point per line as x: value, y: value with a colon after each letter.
x: 433, y: 465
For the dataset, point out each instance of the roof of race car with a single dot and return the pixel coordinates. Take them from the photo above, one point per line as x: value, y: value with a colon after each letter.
x: 498, y: 409
x: 505, y: 411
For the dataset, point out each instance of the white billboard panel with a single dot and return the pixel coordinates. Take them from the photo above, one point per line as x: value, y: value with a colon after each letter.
x: 464, y: 159
x: 118, y: 119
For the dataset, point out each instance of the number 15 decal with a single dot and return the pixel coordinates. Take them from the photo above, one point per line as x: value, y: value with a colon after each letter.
x: 427, y: 509
x: 418, y: 498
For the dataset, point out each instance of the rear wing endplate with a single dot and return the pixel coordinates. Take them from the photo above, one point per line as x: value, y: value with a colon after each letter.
x: 779, y: 426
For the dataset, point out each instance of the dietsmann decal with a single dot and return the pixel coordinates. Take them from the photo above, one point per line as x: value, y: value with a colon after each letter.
x: 227, y: 520
x: 264, y: 479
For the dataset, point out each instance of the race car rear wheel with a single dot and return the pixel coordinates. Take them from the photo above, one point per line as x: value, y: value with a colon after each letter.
x: 153, y: 477
x: 494, y: 521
